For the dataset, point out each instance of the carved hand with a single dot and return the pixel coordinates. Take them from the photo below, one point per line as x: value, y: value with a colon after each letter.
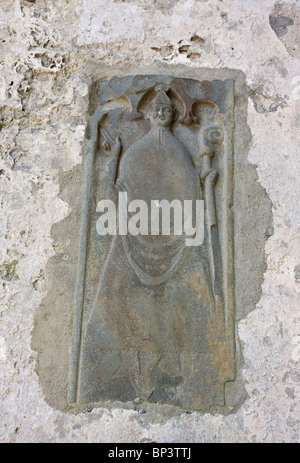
x: 111, y: 147
x: 210, y: 175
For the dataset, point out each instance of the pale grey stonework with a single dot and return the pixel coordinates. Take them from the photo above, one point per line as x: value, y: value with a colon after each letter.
x: 53, y: 56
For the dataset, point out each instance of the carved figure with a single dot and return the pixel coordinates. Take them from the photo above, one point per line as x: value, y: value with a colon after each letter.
x: 157, y: 325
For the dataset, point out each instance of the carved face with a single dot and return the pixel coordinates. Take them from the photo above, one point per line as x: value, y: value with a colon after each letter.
x: 161, y: 115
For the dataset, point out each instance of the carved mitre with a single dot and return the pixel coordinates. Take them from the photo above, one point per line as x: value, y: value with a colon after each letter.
x: 161, y: 97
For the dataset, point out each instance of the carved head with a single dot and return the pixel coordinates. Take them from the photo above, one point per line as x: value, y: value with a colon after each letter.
x: 161, y: 109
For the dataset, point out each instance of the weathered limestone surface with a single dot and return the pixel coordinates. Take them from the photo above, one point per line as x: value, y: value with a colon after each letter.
x: 50, y: 52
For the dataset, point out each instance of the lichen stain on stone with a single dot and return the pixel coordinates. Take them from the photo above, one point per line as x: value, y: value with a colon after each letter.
x: 8, y: 271
x: 280, y: 24
x: 264, y: 103
x: 285, y: 22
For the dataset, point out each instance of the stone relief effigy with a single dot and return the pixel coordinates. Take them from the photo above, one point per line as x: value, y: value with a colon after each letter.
x: 154, y: 318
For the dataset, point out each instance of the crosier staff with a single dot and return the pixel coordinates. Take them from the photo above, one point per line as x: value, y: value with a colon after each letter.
x: 112, y: 150
x: 210, y: 137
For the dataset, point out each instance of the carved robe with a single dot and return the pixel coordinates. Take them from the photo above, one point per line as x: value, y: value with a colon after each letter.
x: 150, y: 332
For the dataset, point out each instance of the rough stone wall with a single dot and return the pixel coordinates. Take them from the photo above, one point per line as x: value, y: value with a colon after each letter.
x: 50, y: 52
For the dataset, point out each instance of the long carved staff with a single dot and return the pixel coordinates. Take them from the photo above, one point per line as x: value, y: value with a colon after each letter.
x: 210, y: 136
x: 74, y: 367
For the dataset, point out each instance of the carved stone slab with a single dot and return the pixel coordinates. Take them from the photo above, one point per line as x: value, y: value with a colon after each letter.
x: 154, y: 318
